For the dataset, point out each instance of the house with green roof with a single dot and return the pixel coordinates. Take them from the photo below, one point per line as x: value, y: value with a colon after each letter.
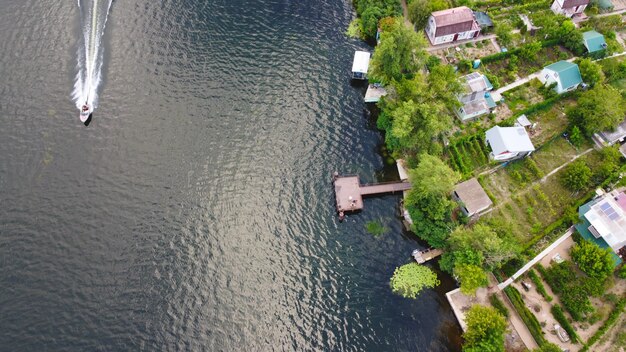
x: 594, y: 41
x: 565, y: 74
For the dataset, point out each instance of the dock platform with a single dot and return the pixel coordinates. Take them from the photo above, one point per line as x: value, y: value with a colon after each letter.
x: 374, y: 93
x: 422, y: 257
x: 349, y: 192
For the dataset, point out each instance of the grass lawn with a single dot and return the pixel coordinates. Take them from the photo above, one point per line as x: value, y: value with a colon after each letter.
x: 529, y: 204
x: 520, y: 98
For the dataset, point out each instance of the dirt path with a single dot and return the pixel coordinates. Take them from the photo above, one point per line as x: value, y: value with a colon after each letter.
x: 405, y: 13
x: 543, y: 179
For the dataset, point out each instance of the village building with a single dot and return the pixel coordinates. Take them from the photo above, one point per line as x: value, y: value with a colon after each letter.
x: 594, y: 41
x: 360, y: 65
x: 603, y: 220
x: 450, y: 25
x: 508, y: 143
x: 569, y: 8
x: 565, y: 74
x: 477, y: 100
x: 472, y: 197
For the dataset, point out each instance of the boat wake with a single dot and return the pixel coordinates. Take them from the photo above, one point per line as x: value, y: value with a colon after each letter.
x: 93, y: 17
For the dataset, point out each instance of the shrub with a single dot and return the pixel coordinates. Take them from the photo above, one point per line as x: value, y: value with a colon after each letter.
x: 615, y: 313
x: 539, y: 285
x: 622, y: 272
x: 499, y: 305
x: 593, y: 260
x: 560, y: 317
x: 577, y: 176
x: 527, y: 316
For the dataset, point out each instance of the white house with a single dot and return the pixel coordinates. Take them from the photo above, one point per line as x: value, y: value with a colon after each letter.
x: 360, y: 64
x: 565, y: 74
x: 569, y: 8
x: 450, y: 25
x: 508, y: 143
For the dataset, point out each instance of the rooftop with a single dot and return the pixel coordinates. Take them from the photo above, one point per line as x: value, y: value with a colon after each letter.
x: 618, y: 133
x: 573, y: 3
x: 456, y: 20
x: 476, y: 82
x: 509, y: 139
x: 568, y: 73
x: 594, y: 41
x: 473, y: 196
x: 361, y: 61
x: 607, y: 216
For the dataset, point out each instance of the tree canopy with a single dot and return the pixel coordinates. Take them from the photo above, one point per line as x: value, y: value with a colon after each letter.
x: 494, y: 245
x: 471, y: 278
x: 590, y: 71
x: 577, y: 176
x: 420, y: 10
x: 593, y: 114
x: 485, y: 330
x: 372, y: 11
x: 400, y: 53
x: 593, y: 260
x: 409, y: 279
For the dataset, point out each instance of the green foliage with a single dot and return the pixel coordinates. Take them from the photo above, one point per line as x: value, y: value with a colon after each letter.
x: 548, y: 347
x: 529, y: 51
x: 615, y: 313
x: 577, y: 176
x: 593, y: 114
x: 375, y: 228
x: 590, y: 71
x: 471, y: 277
x: 504, y: 33
x: 409, y: 279
x: 560, y: 317
x: 576, y: 137
x: 432, y: 181
x: 420, y: 10
x: 354, y: 28
x: 372, y: 11
x: 499, y: 305
x: 494, y: 244
x: 485, y: 330
x: 613, y: 69
x: 574, y: 291
x: 435, y: 232
x: 400, y: 53
x: 539, y: 285
x: 527, y: 316
x: 593, y: 260
x: 622, y: 272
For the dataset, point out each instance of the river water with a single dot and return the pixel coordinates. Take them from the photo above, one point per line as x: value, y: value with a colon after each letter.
x: 196, y: 211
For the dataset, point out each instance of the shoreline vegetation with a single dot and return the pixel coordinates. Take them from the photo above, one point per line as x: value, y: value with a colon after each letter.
x: 535, y: 198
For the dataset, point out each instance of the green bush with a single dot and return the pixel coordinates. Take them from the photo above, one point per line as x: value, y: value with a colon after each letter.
x: 622, y: 272
x: 539, y: 285
x: 527, y: 316
x: 499, y: 305
x: 560, y: 317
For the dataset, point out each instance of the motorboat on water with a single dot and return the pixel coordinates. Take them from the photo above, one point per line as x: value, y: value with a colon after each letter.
x: 85, y: 111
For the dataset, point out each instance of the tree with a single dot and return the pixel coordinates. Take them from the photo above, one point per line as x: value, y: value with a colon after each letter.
x: 590, y: 71
x: 420, y: 10
x: 576, y: 176
x: 400, y: 52
x: 485, y: 330
x: 503, y: 32
x: 369, y: 21
x: 471, y: 278
x: 571, y: 37
x: 576, y: 137
x: 409, y: 279
x: 593, y: 260
x: 593, y: 114
x: 529, y: 51
x: 432, y: 181
x: 495, y: 244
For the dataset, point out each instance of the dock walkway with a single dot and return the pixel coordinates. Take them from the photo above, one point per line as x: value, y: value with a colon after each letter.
x: 349, y: 191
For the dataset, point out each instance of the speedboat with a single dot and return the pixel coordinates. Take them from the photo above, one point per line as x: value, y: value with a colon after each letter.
x: 85, y: 111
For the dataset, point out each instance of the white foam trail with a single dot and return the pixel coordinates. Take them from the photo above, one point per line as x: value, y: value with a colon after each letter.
x: 93, y: 17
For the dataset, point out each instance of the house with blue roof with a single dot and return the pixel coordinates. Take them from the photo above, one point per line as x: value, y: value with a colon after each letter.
x: 594, y: 41
x: 477, y: 100
x: 565, y: 74
x: 603, y: 222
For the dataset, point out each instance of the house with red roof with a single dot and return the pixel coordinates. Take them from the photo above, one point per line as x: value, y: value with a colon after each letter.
x: 450, y: 25
x: 569, y: 8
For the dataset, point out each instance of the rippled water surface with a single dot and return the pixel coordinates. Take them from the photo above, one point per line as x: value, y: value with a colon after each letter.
x: 196, y: 211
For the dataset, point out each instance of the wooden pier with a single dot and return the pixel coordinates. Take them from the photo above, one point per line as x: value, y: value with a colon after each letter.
x: 349, y: 192
x: 422, y: 257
